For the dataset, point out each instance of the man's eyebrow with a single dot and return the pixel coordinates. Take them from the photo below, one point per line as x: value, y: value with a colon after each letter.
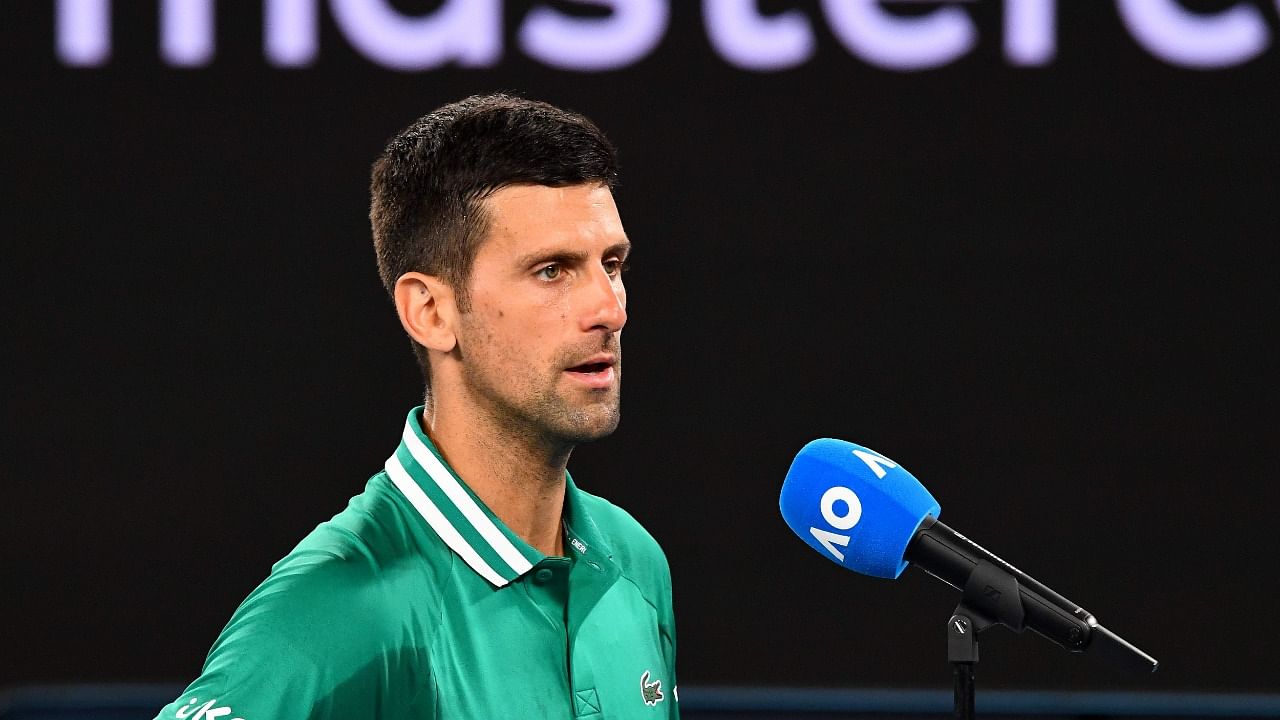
x: 623, y: 248
x: 569, y: 257
x: 563, y: 257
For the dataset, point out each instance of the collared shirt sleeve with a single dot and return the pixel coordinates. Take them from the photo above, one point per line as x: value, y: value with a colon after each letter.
x: 242, y: 685
x: 309, y: 644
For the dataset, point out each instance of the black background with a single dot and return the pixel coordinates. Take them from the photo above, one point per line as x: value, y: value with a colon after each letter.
x: 1049, y: 292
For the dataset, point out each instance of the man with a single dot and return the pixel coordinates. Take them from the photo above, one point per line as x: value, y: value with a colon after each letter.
x: 472, y: 578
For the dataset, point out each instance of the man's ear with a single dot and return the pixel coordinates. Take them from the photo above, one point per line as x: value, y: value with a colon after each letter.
x: 428, y: 310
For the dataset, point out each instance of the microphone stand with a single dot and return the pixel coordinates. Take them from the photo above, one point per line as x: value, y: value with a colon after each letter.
x: 994, y: 592
x: 990, y: 596
x: 962, y: 652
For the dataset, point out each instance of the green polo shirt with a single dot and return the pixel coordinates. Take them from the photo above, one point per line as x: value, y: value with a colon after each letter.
x: 416, y: 601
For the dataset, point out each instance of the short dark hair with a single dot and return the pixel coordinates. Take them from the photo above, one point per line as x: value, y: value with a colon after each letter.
x: 429, y: 183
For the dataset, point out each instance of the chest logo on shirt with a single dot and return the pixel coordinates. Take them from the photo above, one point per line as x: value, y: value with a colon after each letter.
x: 650, y: 692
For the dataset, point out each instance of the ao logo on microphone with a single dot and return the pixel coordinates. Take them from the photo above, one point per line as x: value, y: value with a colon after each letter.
x: 842, y: 509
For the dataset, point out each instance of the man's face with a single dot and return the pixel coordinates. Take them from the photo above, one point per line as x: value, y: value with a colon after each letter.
x: 540, y: 347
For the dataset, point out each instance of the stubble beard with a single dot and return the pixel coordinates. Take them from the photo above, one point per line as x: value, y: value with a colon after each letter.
x: 560, y: 423
x: 541, y: 413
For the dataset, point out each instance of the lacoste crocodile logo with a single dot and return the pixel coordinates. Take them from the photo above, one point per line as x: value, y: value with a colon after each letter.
x: 650, y: 691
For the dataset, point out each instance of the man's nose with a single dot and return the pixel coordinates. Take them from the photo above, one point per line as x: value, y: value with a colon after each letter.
x: 606, y: 303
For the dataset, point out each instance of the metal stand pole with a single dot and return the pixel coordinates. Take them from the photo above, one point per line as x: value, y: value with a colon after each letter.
x: 962, y: 652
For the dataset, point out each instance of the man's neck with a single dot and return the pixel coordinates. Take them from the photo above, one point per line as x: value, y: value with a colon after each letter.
x: 522, y: 481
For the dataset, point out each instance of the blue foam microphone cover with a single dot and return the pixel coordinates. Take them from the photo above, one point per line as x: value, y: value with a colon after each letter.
x: 854, y: 506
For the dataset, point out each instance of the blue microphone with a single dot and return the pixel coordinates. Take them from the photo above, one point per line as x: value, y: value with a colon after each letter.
x: 854, y: 506
x: 864, y: 512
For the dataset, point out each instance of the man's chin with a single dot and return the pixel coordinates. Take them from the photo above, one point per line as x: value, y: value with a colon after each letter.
x: 594, y: 424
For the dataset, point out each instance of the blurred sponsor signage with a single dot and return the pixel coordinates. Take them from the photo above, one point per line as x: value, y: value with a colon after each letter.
x: 469, y: 33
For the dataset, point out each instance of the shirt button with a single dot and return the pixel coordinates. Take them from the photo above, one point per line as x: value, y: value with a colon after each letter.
x: 543, y: 576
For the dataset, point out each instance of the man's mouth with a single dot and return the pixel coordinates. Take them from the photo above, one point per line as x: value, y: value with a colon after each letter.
x: 597, y: 372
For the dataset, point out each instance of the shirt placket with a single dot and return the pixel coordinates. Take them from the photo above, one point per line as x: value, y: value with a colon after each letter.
x: 592, y: 575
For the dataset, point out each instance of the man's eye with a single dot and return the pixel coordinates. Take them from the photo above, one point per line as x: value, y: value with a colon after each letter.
x: 550, y: 272
x: 615, y: 267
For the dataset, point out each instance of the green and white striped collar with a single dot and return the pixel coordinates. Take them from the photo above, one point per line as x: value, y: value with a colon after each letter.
x: 460, y: 518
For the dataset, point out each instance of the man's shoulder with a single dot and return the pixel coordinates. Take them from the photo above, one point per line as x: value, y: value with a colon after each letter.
x: 350, y: 575
x: 345, y: 617
x: 377, y: 532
